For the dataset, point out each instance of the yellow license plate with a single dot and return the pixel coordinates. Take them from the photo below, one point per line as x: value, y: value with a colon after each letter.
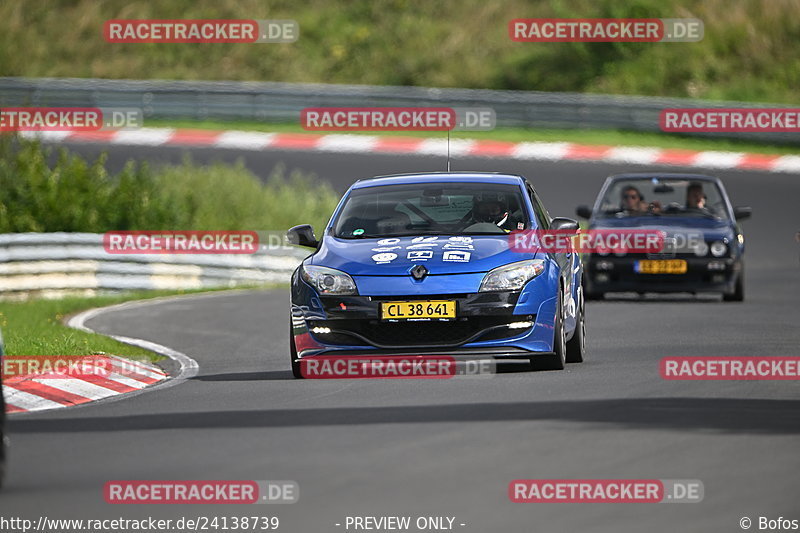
x: 418, y: 309
x: 663, y: 266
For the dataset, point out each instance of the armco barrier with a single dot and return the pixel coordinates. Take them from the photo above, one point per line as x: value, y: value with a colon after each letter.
x: 57, y: 262
x: 282, y: 102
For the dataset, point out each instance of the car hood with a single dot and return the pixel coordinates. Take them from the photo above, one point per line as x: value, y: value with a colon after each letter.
x: 711, y: 229
x: 395, y: 256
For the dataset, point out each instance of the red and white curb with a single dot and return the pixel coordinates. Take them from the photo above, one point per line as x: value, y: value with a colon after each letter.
x: 546, y: 151
x: 39, y: 392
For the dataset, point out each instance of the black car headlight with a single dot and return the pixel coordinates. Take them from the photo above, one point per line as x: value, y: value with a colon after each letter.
x: 512, y: 277
x: 328, y: 280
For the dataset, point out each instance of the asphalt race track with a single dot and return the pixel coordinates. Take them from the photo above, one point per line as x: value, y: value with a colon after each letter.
x: 449, y: 447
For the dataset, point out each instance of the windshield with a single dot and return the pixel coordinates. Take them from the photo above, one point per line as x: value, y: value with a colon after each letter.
x: 663, y: 197
x: 440, y: 208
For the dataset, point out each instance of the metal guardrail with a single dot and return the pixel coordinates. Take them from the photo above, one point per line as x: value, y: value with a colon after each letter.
x: 282, y: 102
x: 64, y: 262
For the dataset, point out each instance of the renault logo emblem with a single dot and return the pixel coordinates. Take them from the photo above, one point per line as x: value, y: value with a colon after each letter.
x: 419, y: 272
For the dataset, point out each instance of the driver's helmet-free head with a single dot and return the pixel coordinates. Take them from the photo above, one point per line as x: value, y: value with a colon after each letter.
x: 695, y: 197
x: 489, y: 207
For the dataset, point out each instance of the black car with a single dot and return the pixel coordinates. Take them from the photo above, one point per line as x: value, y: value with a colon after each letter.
x: 703, y: 248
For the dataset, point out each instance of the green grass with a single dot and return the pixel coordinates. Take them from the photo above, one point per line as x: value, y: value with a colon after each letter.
x: 750, y: 50
x: 596, y: 137
x: 35, y: 327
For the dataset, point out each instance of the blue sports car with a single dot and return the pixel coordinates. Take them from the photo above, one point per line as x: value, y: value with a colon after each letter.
x: 704, y: 245
x: 421, y: 264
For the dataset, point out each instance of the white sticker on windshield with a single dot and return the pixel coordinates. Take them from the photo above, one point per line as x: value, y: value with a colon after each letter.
x: 460, y: 238
x: 424, y: 239
x: 388, y: 242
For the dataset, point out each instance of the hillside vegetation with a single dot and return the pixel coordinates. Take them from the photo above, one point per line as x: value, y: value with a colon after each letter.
x: 751, y: 49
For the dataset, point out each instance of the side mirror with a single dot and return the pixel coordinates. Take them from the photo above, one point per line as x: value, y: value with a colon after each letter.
x: 564, y: 224
x: 742, y: 212
x: 302, y: 235
x: 583, y: 211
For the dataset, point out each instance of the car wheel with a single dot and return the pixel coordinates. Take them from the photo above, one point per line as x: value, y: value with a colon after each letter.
x: 576, y: 346
x: 557, y: 361
x: 738, y: 292
x: 293, y: 353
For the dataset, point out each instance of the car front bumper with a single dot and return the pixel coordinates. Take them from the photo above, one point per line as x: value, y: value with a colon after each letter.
x: 493, y: 324
x: 618, y: 274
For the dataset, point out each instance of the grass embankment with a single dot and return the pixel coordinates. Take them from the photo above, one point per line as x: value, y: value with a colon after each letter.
x: 76, y: 195
x: 750, y: 50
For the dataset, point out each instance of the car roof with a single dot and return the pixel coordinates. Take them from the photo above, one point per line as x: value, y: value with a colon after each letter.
x: 663, y: 175
x: 440, y: 177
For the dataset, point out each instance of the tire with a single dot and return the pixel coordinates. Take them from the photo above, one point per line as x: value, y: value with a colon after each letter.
x: 738, y: 292
x: 557, y: 361
x: 293, y: 353
x: 576, y: 346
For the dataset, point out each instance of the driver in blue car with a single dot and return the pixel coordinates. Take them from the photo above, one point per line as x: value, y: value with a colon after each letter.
x: 492, y: 208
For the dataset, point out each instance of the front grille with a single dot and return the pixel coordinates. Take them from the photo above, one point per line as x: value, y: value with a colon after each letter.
x: 417, y: 333
x: 667, y: 252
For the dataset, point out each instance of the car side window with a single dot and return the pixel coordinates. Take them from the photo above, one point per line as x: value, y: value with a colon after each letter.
x: 542, y: 217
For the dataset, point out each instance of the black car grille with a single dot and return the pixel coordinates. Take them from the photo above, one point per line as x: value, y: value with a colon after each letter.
x: 417, y: 333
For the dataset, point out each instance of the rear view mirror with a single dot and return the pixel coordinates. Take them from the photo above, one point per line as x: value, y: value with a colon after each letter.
x: 562, y: 223
x: 742, y: 212
x: 434, y: 201
x: 302, y: 235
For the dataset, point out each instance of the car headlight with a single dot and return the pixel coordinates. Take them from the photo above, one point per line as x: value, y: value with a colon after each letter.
x: 513, y: 276
x: 700, y: 249
x: 718, y: 248
x: 328, y: 280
